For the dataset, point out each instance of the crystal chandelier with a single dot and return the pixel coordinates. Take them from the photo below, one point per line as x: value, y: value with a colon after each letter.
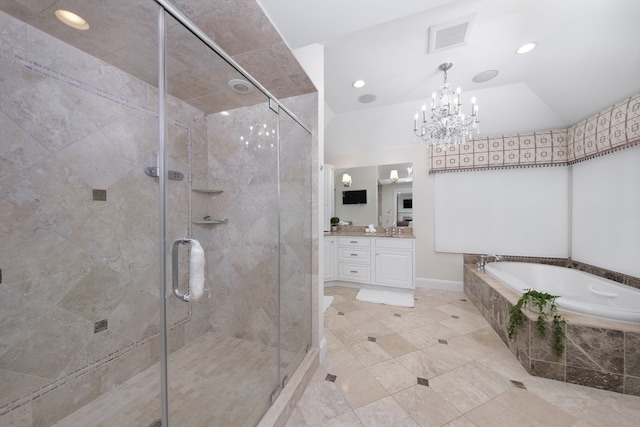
x: 447, y: 124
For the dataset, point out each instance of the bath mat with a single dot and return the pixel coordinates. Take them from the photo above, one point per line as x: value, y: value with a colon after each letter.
x: 327, y: 302
x: 381, y: 296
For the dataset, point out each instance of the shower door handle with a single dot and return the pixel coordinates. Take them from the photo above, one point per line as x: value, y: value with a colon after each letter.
x: 174, y: 267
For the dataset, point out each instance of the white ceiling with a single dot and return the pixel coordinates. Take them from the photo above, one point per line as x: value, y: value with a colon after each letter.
x: 588, y: 58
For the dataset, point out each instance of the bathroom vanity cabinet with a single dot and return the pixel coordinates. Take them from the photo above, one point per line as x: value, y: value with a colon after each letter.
x: 384, y: 261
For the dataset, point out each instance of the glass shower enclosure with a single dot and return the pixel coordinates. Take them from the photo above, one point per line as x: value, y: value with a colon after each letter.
x: 112, y: 155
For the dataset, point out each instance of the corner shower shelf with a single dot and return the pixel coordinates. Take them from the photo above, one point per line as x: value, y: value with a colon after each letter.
x: 212, y: 221
x: 202, y: 190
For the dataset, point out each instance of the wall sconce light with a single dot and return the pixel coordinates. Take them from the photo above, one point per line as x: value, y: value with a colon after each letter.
x: 394, y: 176
x: 346, y: 180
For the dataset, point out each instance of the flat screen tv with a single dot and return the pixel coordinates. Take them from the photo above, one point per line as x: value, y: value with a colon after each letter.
x: 354, y: 197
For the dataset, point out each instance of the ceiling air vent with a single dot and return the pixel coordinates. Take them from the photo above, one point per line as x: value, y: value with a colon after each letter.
x: 451, y: 34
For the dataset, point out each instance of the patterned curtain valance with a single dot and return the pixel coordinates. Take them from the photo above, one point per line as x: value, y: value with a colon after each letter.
x: 613, y: 129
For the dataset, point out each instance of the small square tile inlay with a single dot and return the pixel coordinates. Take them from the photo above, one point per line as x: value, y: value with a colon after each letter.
x: 443, y: 341
x: 372, y: 339
x: 397, y: 314
x: 423, y: 381
x: 463, y: 300
x: 454, y: 316
x: 99, y: 195
x: 340, y: 313
x: 518, y: 384
x: 331, y: 377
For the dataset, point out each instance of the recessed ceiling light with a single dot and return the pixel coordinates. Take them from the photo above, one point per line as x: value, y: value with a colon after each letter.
x: 485, y: 76
x: 240, y: 86
x: 71, y: 19
x: 365, y: 99
x: 358, y: 83
x: 527, y: 47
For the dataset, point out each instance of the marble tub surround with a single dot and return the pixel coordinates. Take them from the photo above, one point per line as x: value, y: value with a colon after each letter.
x: 625, y: 279
x: 437, y: 364
x: 357, y: 230
x: 598, y: 353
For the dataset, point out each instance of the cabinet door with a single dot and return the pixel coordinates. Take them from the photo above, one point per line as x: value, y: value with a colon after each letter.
x: 329, y: 259
x: 394, y: 268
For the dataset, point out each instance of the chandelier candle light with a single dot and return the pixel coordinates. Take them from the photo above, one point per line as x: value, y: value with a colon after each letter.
x: 448, y: 125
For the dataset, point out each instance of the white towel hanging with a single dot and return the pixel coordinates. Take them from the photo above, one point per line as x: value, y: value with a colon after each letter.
x: 196, y: 271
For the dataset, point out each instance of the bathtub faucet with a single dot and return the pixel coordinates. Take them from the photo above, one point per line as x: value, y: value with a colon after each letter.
x: 484, y: 259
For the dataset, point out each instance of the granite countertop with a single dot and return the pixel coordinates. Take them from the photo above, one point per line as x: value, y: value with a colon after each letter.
x: 407, y: 233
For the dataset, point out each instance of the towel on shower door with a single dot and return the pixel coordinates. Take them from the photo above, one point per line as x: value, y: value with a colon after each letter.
x: 196, y: 271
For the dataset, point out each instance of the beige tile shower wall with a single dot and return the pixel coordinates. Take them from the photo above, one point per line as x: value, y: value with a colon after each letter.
x: 69, y: 261
x: 242, y: 266
x: 242, y: 254
x: 613, y: 129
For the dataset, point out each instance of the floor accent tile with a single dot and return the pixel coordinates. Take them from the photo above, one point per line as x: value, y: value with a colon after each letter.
x: 331, y: 377
x: 443, y: 341
x: 372, y: 339
x: 519, y: 384
x: 397, y: 314
x: 340, y: 313
x: 453, y: 316
x: 423, y: 381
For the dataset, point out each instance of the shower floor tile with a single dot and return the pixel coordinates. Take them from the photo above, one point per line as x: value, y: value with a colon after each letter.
x: 215, y: 381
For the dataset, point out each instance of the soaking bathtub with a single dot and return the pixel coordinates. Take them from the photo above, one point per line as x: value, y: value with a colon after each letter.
x: 578, y: 292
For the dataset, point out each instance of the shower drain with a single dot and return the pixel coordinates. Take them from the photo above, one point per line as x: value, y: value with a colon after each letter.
x: 156, y: 423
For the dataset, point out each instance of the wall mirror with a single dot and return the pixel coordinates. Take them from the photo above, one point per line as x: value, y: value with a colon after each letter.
x: 380, y: 195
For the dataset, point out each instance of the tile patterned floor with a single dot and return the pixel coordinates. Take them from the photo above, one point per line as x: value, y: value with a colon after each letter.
x: 215, y: 381
x: 437, y: 364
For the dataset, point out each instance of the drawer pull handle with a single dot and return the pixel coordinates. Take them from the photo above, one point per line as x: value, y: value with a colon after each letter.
x: 354, y: 254
x: 353, y: 241
x: 354, y: 271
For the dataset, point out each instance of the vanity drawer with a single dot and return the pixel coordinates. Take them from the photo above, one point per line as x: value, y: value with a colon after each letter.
x: 354, y: 241
x: 355, y: 272
x: 354, y: 254
x: 394, y: 243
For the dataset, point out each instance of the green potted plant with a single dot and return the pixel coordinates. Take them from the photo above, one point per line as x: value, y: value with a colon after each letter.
x: 334, y: 223
x: 545, y: 305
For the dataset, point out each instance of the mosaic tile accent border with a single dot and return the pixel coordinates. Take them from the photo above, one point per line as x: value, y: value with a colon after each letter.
x: 613, y: 129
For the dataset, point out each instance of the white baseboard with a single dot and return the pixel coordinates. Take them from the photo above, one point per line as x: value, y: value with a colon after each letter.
x: 447, y: 285
x: 421, y: 282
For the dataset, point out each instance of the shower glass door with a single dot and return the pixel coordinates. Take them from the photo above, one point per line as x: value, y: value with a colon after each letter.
x: 221, y: 135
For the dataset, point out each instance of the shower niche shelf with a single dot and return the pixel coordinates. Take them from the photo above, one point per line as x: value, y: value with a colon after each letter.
x: 211, y: 221
x: 208, y: 220
x: 204, y: 190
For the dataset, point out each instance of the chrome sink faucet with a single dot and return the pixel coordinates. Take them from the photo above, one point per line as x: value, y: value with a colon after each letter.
x: 484, y: 260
